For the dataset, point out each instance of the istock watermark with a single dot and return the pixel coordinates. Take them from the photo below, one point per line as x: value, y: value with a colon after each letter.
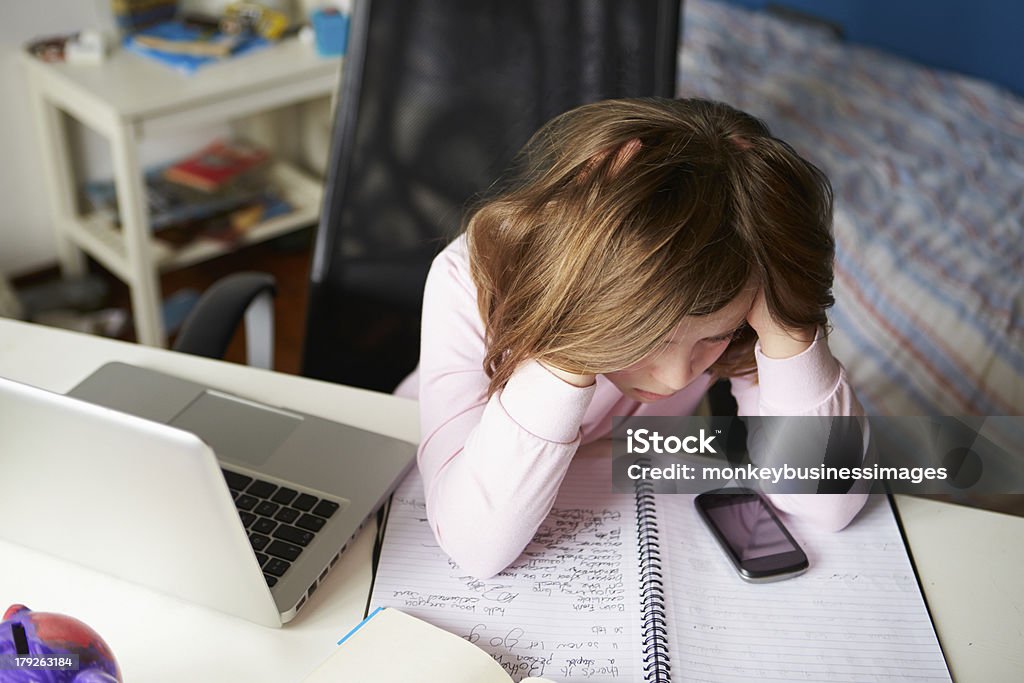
x: 814, y: 454
x: 647, y: 441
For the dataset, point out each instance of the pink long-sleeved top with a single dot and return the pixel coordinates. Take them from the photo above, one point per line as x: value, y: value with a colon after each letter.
x: 492, y: 467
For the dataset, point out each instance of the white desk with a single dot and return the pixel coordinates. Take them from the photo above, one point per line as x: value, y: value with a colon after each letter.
x: 130, y: 97
x: 160, y: 639
x: 969, y: 560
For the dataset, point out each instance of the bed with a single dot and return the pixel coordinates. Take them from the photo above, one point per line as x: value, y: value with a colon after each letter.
x: 928, y: 172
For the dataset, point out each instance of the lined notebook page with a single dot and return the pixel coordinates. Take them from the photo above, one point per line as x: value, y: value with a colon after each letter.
x: 568, y: 609
x: 856, y: 615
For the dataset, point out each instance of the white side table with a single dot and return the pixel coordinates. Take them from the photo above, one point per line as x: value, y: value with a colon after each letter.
x: 129, y: 97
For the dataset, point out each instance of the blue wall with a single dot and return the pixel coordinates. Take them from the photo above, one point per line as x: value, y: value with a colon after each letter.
x: 982, y: 38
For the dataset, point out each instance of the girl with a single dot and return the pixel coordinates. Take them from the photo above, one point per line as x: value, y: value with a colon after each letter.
x: 644, y: 249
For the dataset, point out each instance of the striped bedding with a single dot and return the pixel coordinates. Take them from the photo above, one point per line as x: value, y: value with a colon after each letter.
x: 928, y: 172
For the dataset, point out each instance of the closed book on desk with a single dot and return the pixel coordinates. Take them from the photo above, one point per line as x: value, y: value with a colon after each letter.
x: 619, y: 587
x: 393, y: 647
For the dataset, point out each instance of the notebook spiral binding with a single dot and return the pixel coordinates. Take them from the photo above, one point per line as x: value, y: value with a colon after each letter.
x: 656, y: 665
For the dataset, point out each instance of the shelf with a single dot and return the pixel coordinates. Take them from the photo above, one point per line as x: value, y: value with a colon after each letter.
x: 127, y: 99
x: 128, y: 87
x: 98, y: 235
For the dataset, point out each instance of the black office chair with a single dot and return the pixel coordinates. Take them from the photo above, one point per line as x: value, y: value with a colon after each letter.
x: 436, y: 98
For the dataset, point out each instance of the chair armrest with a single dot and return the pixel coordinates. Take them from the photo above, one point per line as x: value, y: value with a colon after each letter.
x: 212, y: 323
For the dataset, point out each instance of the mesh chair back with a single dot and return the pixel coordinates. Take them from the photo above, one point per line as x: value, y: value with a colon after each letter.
x: 436, y: 98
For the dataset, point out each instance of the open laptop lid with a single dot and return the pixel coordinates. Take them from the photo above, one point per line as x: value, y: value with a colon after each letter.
x: 138, y: 500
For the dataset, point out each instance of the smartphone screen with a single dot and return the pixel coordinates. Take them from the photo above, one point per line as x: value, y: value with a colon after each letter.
x: 752, y: 535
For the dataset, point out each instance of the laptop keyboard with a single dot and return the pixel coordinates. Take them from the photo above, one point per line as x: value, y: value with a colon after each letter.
x: 280, y: 521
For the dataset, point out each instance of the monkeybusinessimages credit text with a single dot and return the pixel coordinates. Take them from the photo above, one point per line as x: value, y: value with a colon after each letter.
x: 644, y: 441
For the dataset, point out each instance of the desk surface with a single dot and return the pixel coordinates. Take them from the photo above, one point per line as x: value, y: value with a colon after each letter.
x: 158, y: 638
x: 969, y: 560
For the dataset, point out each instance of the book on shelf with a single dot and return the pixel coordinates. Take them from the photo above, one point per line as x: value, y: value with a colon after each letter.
x: 218, y: 165
x: 228, y: 228
x: 633, y: 587
x: 186, y: 47
x: 170, y: 203
x: 202, y: 44
x: 179, y: 214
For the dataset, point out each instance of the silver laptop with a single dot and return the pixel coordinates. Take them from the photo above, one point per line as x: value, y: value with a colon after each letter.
x: 121, y: 476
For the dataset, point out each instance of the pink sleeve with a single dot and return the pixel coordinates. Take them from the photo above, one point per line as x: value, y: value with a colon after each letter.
x: 810, y: 383
x: 491, y: 468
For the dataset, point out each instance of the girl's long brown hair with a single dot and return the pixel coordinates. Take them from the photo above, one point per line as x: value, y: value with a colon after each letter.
x: 597, y: 247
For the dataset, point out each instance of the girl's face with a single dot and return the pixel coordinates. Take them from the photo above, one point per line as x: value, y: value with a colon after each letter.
x: 692, y: 347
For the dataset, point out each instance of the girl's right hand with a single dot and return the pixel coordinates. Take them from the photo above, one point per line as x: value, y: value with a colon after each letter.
x: 569, y: 377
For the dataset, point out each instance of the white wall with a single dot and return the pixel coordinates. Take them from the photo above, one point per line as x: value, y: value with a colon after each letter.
x: 26, y: 235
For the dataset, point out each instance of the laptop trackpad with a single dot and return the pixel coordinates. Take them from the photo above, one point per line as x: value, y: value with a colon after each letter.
x: 235, y: 428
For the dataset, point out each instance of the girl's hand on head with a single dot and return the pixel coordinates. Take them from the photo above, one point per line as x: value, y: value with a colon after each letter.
x: 572, y: 378
x: 777, y: 341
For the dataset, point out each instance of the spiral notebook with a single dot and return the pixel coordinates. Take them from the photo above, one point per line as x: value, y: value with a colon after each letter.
x: 619, y: 587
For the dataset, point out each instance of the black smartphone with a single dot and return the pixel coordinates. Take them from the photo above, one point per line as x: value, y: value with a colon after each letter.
x: 751, y: 534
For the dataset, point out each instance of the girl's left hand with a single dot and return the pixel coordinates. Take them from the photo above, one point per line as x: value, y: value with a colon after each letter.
x: 777, y: 341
